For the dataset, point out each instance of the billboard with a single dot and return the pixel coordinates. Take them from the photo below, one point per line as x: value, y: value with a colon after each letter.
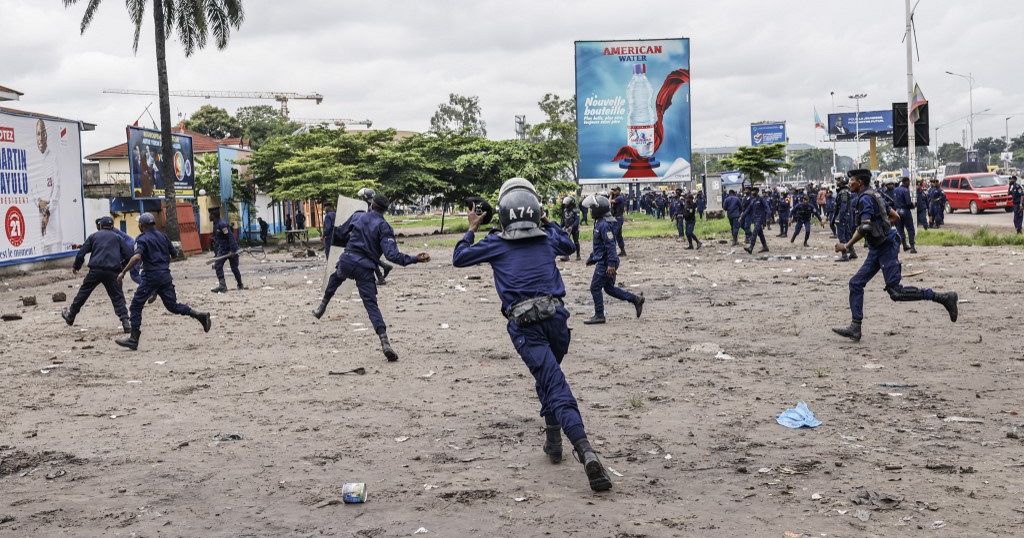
x: 633, y: 110
x: 843, y: 126
x: 767, y: 132
x: 144, y: 156
x: 40, y: 188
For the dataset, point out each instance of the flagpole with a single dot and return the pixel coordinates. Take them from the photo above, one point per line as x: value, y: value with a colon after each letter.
x: 911, y: 128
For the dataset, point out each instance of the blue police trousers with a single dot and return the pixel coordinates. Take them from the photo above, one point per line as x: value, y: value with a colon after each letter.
x: 844, y: 230
x: 804, y: 225
x: 602, y: 283
x: 366, y: 283
x: 1018, y: 217
x: 95, y: 277
x: 690, y: 236
x: 218, y: 268
x: 734, y: 225
x: 886, y: 258
x: 783, y: 224
x: 906, y: 227
x: 161, y: 284
x: 757, y: 233
x: 922, y: 216
x: 681, y: 227
x: 618, y: 234
x: 542, y: 347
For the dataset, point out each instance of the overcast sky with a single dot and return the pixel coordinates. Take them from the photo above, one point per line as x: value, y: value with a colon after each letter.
x: 394, y: 61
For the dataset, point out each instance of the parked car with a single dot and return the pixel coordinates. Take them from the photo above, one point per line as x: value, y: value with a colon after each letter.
x: 976, y: 192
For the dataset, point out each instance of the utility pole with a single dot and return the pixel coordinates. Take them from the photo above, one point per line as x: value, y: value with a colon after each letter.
x: 911, y: 128
x: 970, y: 122
x: 835, y: 158
x: 521, y: 127
x: 1007, y: 138
x: 856, y: 122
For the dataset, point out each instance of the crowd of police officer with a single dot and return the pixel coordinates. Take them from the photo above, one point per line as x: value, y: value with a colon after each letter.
x: 522, y: 252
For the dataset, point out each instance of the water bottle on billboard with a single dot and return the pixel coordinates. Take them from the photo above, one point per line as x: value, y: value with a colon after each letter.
x: 642, y: 117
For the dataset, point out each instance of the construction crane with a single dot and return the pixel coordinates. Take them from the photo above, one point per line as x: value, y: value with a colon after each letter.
x: 338, y: 122
x: 280, y: 97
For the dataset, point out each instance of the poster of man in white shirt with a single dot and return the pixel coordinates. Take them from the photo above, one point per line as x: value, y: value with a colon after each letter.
x: 40, y: 188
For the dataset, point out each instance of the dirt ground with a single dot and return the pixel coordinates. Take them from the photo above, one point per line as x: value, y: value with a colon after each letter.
x: 920, y: 435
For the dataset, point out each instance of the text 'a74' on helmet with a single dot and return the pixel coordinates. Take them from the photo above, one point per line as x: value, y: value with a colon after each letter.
x: 598, y: 205
x: 519, y: 211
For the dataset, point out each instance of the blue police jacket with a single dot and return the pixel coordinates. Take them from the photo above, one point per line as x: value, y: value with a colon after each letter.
x: 901, y: 197
x: 156, y: 250
x: 605, y: 252
x: 126, y: 238
x: 328, y: 229
x: 702, y: 201
x: 732, y: 205
x: 936, y: 196
x: 619, y: 207
x: 1016, y: 192
x: 107, y: 252
x: 524, y: 268
x: 868, y: 211
x: 223, y: 238
x: 757, y: 210
x: 570, y: 218
x: 367, y: 236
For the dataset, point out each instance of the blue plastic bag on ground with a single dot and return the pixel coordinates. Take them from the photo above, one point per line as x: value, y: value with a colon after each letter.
x: 798, y: 417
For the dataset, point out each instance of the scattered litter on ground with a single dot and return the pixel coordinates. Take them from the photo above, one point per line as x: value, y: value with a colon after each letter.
x: 966, y: 420
x: 353, y: 492
x: 227, y: 437
x: 401, y: 439
x: 358, y: 371
x: 28, y: 301
x: 876, y: 500
x: 59, y: 297
x: 614, y: 472
x: 724, y: 356
x: 873, y: 366
x: 798, y: 417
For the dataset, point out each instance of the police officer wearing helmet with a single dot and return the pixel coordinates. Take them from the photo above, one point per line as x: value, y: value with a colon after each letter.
x: 842, y: 217
x: 522, y: 258
x: 1016, y: 193
x: 874, y: 224
x: 107, y: 255
x: 571, y: 223
x: 366, y: 237
x: 224, y: 244
x: 154, y: 250
x: 618, y: 210
x: 383, y: 268
x: 605, y: 261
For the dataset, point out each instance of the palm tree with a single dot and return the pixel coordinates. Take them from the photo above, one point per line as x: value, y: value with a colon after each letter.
x: 193, y: 20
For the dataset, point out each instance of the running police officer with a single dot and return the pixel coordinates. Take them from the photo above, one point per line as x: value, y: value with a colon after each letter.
x: 225, y: 247
x: 618, y: 205
x: 522, y: 257
x: 803, y: 211
x: 874, y: 224
x: 154, y: 250
x: 843, y: 217
x: 756, y: 214
x: 1016, y: 192
x: 784, y: 207
x: 366, y: 236
x: 731, y: 205
x: 571, y: 223
x: 688, y: 214
x: 107, y: 255
x: 605, y: 262
x: 904, y: 206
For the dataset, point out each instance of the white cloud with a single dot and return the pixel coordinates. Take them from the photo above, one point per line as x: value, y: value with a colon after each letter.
x: 394, y: 61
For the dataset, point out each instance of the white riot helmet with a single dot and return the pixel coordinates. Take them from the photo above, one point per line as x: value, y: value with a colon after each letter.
x: 519, y: 210
x: 598, y: 205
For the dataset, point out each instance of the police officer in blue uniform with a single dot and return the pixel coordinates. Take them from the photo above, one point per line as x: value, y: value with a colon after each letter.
x: 843, y: 217
x: 731, y: 205
x: 571, y: 223
x: 224, y: 244
x: 130, y: 243
x: 1016, y: 193
x: 328, y: 234
x: 605, y: 262
x: 366, y: 236
x: 922, y: 205
x: 522, y: 258
x: 744, y: 216
x: 702, y: 203
x: 618, y: 204
x: 874, y: 224
x: 107, y: 255
x: 784, y: 206
x: 803, y: 211
x: 904, y: 206
x: 756, y: 214
x: 936, y: 204
x: 674, y: 210
x: 154, y: 250
x: 688, y: 215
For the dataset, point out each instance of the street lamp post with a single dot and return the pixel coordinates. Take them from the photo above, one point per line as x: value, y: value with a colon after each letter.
x: 1007, y: 139
x: 856, y: 122
x: 970, y: 122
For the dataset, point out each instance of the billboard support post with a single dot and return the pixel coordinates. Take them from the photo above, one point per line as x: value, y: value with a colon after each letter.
x: 911, y: 127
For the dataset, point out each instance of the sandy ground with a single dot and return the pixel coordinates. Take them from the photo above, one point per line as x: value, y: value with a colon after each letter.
x: 921, y: 419
x: 996, y: 220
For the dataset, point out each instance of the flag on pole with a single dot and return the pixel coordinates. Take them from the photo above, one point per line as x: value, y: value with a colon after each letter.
x: 917, y: 101
x: 818, y: 124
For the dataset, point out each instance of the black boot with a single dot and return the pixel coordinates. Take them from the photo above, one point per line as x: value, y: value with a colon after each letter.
x: 221, y: 287
x: 699, y: 244
x: 638, y: 303
x: 126, y: 325
x: 763, y: 249
x: 69, y: 318
x: 749, y: 249
x: 595, y: 320
x: 805, y: 244
x: 913, y: 249
x: 690, y: 247
x: 844, y: 258
x: 384, y: 272
x: 853, y: 253
x: 131, y: 342
x: 596, y: 473
x: 949, y: 300
x: 204, y: 319
x: 385, y: 346
x: 152, y: 299
x: 553, y: 443
x: 240, y: 285
x: 852, y: 331
x: 318, y: 312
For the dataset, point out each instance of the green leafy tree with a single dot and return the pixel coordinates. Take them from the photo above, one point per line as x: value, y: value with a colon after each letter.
x: 989, y: 146
x: 891, y: 158
x: 259, y: 123
x: 814, y: 163
x: 460, y: 115
x: 952, y: 152
x: 194, y: 21
x: 714, y: 164
x: 214, y: 122
x: 556, y: 136
x: 758, y: 162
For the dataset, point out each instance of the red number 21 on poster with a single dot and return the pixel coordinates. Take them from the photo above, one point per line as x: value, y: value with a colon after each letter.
x: 14, y: 226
